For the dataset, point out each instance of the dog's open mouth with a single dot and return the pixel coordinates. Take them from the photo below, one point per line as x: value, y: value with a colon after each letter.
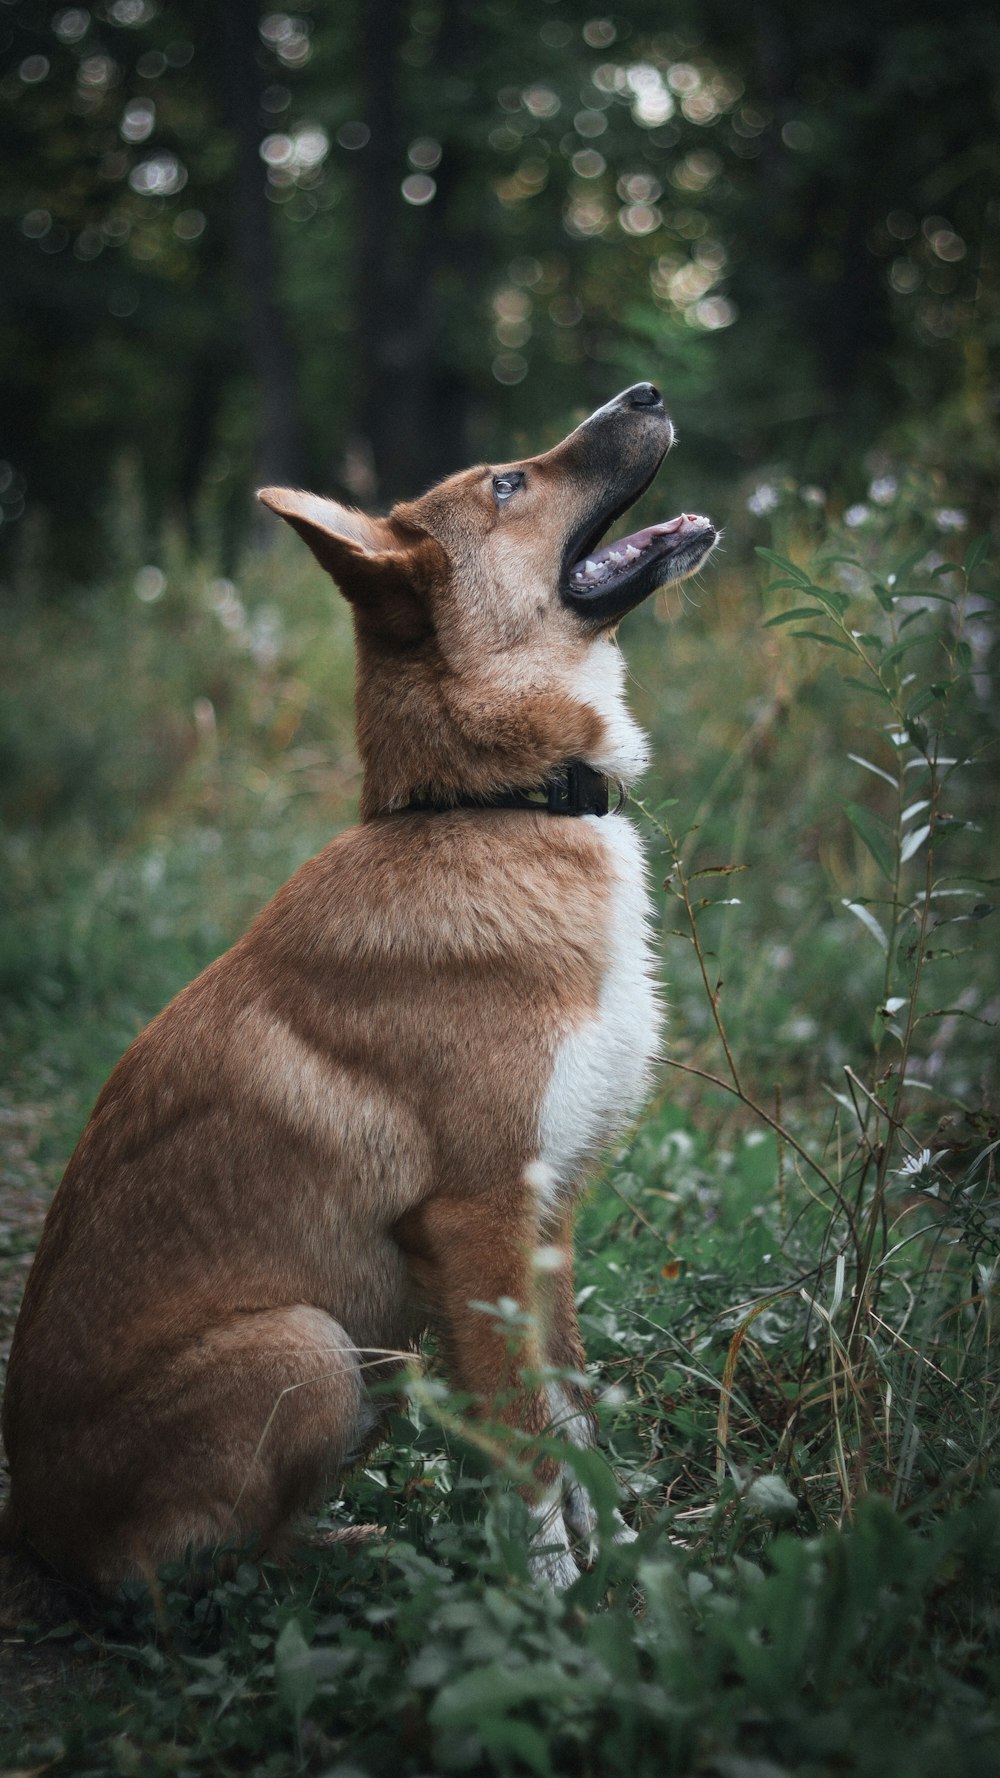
x: 688, y: 535
x: 608, y: 581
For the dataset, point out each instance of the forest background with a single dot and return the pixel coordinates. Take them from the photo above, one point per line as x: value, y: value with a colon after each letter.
x: 354, y: 246
x: 359, y: 246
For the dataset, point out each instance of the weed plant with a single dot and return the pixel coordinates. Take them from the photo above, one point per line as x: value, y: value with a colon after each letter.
x: 787, y: 1276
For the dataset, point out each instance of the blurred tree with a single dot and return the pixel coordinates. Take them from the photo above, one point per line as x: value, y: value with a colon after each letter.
x: 860, y: 126
x: 117, y: 316
x: 239, y: 73
x: 363, y: 242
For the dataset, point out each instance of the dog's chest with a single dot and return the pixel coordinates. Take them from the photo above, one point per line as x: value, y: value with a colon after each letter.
x: 601, y: 1070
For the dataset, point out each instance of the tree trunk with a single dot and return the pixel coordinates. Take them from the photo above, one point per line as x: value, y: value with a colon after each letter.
x: 279, y: 450
x: 410, y: 407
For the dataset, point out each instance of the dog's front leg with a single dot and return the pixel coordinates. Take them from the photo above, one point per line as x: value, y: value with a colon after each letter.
x: 482, y: 1250
x: 570, y: 1403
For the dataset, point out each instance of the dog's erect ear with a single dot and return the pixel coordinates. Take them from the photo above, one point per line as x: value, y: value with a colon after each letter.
x: 384, y: 569
x: 334, y: 533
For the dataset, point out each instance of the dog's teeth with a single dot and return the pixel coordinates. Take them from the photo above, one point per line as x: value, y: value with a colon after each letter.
x: 590, y: 567
x: 631, y: 553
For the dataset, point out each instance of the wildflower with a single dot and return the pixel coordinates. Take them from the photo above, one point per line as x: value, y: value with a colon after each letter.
x: 149, y: 583
x: 883, y: 490
x: 763, y: 500
x: 915, y: 1163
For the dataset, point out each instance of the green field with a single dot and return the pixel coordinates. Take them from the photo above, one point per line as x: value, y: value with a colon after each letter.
x: 788, y: 1275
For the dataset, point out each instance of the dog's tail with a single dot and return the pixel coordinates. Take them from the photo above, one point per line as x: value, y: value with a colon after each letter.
x: 29, y: 1592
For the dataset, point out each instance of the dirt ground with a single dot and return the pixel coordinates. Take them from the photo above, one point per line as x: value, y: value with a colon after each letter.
x: 26, y: 1188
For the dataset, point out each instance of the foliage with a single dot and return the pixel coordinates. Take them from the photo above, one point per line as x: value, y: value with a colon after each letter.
x: 361, y: 244
x: 787, y: 1278
x: 434, y: 1652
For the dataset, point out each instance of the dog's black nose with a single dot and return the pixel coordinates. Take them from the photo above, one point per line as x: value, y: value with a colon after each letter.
x: 643, y: 395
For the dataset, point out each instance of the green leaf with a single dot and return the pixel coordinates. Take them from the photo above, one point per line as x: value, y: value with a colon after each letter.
x: 594, y: 1473
x: 831, y: 641
x: 836, y: 603
x: 896, y: 653
x: 912, y: 843
x: 885, y: 598
x: 510, y: 1736
x: 879, y: 771
x: 787, y: 567
x: 780, y: 586
x: 787, y: 617
x: 487, y: 1693
x: 976, y: 553
x: 719, y: 870
x: 294, y: 1677
x: 874, y: 690
x: 868, y: 921
x: 929, y: 695
x: 876, y: 837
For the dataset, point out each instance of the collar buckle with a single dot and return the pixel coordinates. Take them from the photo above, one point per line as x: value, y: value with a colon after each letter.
x: 576, y: 789
x: 572, y: 789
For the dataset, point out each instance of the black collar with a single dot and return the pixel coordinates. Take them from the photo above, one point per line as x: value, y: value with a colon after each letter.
x: 572, y: 789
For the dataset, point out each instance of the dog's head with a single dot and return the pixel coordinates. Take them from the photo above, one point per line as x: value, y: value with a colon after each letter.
x: 485, y: 610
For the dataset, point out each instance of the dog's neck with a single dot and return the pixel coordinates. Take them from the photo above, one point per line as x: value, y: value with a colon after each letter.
x: 572, y: 789
x: 425, y: 734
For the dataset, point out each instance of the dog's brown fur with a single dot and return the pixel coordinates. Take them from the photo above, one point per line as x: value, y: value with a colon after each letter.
x: 326, y: 1140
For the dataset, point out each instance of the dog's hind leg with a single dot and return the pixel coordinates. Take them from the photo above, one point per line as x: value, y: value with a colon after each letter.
x: 230, y: 1438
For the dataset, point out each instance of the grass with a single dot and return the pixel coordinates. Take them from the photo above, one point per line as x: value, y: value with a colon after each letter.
x: 787, y: 1276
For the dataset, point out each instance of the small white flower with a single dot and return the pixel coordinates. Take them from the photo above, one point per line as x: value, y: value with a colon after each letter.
x: 883, y: 490
x: 763, y: 500
x: 855, y: 516
x: 950, y: 518
x: 915, y: 1163
x: 149, y: 584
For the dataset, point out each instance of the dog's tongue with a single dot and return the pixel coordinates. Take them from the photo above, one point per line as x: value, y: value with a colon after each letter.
x: 613, y: 558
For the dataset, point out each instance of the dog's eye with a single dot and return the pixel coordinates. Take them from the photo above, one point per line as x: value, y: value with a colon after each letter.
x: 506, y: 485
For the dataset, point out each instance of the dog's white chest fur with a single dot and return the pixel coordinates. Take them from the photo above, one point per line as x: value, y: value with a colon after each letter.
x: 601, y: 1071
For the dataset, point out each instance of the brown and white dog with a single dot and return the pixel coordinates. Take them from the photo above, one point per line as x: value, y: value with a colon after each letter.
x: 372, y: 1111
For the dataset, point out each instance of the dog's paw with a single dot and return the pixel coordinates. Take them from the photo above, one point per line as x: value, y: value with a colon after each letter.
x: 581, y: 1517
x: 582, y: 1521
x: 551, y: 1559
x: 556, y: 1568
